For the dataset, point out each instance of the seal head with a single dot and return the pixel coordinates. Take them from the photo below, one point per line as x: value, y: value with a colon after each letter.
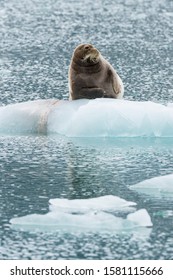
x: 86, y: 55
x: 91, y: 76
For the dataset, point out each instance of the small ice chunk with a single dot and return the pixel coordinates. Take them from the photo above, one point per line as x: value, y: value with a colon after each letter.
x: 84, y: 215
x: 161, y: 186
x: 65, y: 221
x: 102, y: 203
x: 88, y: 222
x: 141, y: 217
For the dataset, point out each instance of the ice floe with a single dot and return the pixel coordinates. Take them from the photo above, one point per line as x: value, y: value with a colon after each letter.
x: 86, y: 215
x: 88, y: 118
x: 111, y: 118
x: 161, y: 186
x: 25, y: 118
x: 140, y: 217
x: 102, y: 203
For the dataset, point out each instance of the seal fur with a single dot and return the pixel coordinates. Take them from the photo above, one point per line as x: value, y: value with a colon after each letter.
x: 91, y: 76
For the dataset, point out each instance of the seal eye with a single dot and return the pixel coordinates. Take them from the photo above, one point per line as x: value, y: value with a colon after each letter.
x: 87, y: 47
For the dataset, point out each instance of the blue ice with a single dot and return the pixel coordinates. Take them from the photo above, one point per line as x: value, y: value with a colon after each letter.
x: 157, y: 187
x: 86, y: 215
x: 88, y: 118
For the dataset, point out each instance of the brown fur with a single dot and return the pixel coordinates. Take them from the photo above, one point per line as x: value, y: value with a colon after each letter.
x: 91, y: 76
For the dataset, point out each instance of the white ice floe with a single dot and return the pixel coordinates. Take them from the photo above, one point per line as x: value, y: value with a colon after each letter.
x: 140, y: 217
x: 25, y: 118
x: 87, y: 217
x: 111, y: 118
x: 88, y: 222
x: 159, y: 187
x: 88, y: 118
x: 102, y: 203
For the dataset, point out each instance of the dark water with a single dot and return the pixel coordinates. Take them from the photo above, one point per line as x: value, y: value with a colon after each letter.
x: 36, y: 43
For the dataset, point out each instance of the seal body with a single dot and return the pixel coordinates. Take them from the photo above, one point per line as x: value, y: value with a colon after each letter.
x: 91, y: 76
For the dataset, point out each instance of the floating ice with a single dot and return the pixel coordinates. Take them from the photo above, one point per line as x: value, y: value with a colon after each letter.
x: 140, y: 217
x: 102, y: 203
x: 84, y: 216
x: 94, y: 221
x: 159, y: 187
x: 88, y: 118
x: 25, y: 118
x: 111, y: 118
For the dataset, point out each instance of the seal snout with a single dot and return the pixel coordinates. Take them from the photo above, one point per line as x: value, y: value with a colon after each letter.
x: 87, y: 53
x: 92, y: 55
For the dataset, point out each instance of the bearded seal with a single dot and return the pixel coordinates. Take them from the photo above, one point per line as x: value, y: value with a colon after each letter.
x: 91, y: 76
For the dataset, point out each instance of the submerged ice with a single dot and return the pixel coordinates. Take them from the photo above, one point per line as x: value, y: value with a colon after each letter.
x: 83, y: 215
x: 159, y: 187
x: 88, y: 118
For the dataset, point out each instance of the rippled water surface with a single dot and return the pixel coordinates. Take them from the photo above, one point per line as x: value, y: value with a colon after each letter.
x: 36, y: 43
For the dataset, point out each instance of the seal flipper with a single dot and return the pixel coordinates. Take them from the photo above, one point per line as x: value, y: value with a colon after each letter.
x: 117, y: 86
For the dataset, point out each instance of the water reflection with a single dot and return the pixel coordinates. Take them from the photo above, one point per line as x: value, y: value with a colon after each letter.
x: 36, y: 169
